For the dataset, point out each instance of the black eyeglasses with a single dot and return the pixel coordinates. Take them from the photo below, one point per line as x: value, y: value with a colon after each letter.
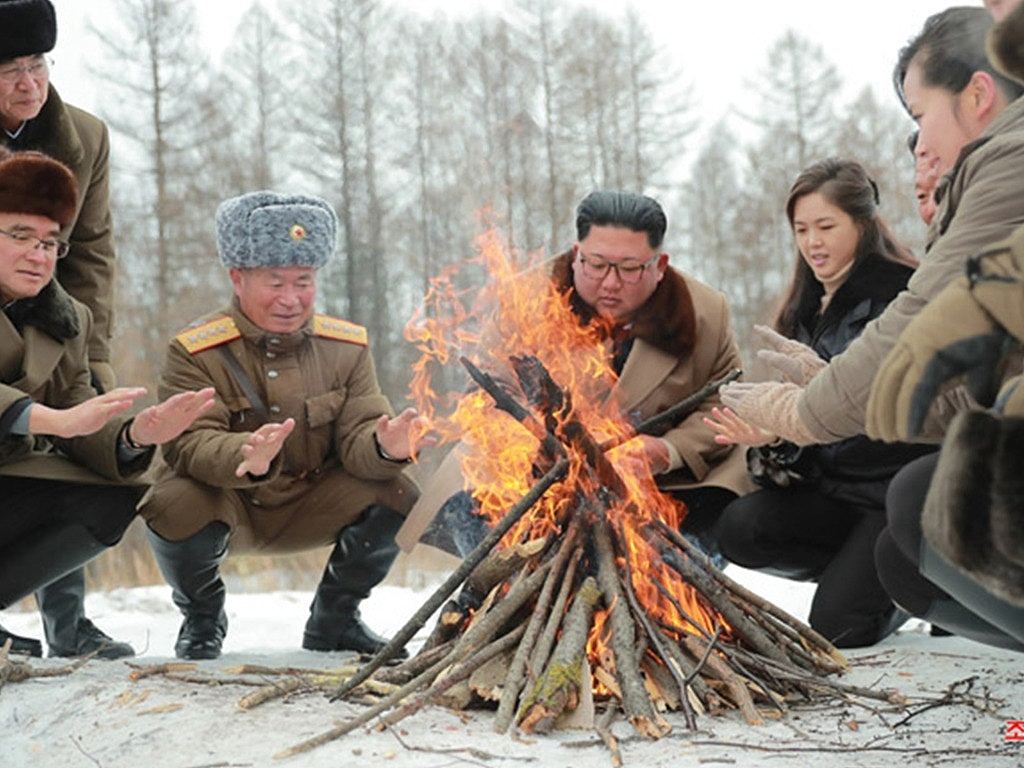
x: 56, y: 248
x: 596, y: 268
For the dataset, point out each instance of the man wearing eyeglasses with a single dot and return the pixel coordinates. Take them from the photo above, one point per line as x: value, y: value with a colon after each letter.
x: 33, y: 117
x: 68, y: 455
x: 669, y: 336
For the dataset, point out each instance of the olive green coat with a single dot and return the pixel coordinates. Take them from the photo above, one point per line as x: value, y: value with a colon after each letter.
x: 81, y: 141
x: 47, y: 362
x: 329, y: 469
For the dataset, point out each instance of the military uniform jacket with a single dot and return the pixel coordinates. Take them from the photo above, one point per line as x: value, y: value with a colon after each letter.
x: 46, y: 361
x: 81, y: 141
x: 322, y: 376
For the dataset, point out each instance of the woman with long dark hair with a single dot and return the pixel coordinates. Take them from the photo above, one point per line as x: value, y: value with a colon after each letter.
x: 821, y: 507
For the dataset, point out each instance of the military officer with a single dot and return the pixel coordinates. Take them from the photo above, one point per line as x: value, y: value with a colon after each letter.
x: 300, y: 450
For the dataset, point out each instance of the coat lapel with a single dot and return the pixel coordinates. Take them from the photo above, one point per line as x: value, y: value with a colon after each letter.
x: 645, y: 369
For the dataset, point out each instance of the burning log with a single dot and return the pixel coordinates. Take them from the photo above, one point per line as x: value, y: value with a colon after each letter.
x: 615, y: 584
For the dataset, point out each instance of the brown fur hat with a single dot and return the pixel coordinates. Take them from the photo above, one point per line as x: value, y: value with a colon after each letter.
x: 1006, y: 44
x: 31, y: 182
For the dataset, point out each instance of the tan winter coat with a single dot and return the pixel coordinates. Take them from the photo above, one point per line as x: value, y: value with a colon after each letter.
x: 47, y: 362
x: 81, y: 141
x: 323, y: 379
x: 980, y: 203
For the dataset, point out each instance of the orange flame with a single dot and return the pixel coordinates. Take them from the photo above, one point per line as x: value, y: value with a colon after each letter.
x: 520, y: 312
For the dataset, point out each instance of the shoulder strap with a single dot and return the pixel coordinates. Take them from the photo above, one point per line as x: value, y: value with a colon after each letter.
x: 243, y: 380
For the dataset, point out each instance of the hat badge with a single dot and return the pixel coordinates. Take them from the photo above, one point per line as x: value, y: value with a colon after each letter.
x: 297, y: 232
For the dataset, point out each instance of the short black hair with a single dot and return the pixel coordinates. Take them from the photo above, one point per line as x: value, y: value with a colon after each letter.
x: 615, y: 208
x: 950, y: 49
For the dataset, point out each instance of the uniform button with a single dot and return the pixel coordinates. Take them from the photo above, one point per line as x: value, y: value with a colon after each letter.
x: 271, y: 355
x: 256, y: 503
x: 274, y: 340
x: 271, y: 374
x: 275, y: 409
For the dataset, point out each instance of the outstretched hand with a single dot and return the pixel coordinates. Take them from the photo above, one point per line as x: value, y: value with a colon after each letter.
x: 165, y: 421
x: 262, y: 446
x: 85, y: 418
x: 732, y: 430
x: 405, y: 435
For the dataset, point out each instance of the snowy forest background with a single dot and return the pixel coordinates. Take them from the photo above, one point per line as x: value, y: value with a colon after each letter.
x: 423, y: 131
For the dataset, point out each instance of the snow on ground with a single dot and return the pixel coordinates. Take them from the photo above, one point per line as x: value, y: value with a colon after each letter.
x: 97, y: 717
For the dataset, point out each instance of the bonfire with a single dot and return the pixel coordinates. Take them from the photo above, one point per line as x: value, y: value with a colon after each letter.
x: 583, y: 595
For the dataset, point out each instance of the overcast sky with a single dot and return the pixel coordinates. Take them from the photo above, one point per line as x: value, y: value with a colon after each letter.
x: 716, y: 45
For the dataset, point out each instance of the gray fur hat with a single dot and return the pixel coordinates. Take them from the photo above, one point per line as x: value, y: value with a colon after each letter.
x: 27, y: 27
x: 270, y: 229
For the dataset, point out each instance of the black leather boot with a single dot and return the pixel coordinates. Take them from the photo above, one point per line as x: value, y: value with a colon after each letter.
x: 27, y: 646
x: 359, y: 561
x: 192, y: 569
x: 68, y: 631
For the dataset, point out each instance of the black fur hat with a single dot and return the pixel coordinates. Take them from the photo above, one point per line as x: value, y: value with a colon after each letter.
x: 27, y: 27
x: 1006, y: 44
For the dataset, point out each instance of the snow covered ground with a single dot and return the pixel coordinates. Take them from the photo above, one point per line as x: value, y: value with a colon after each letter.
x: 98, y: 717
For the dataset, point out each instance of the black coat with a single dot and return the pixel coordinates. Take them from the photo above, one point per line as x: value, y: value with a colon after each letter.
x: 856, y: 469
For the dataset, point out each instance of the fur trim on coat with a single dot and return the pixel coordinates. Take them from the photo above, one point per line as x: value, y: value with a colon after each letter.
x: 972, y: 512
x: 51, y: 310
x: 667, y: 320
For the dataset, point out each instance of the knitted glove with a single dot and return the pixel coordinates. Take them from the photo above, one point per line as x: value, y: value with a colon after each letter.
x: 771, y: 406
x: 797, y: 362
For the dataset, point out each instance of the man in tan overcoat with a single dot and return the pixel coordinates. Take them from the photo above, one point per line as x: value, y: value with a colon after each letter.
x: 33, y: 117
x: 300, y: 450
x: 671, y: 336
x: 67, y: 455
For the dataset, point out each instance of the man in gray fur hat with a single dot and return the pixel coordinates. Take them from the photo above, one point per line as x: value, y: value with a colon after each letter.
x: 301, y: 448
x: 33, y: 117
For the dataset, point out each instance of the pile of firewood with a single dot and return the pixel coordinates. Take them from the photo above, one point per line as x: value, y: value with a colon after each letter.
x: 517, y: 633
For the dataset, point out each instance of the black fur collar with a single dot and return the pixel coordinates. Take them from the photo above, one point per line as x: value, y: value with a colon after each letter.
x: 51, y: 310
x: 875, y: 278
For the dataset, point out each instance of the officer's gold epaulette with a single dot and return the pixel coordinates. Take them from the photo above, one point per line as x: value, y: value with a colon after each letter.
x: 210, y: 334
x: 328, y: 327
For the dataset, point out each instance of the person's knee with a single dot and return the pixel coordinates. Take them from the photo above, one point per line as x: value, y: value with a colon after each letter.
x: 738, y: 531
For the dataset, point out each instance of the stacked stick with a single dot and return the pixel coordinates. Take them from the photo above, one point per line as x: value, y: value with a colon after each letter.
x: 517, y: 632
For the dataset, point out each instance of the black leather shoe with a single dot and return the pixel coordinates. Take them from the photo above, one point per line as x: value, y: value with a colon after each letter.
x: 27, y: 646
x: 201, y: 637
x: 91, y: 639
x: 355, y: 636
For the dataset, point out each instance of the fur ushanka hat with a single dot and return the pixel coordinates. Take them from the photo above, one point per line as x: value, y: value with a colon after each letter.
x: 31, y: 182
x: 270, y: 229
x: 27, y: 27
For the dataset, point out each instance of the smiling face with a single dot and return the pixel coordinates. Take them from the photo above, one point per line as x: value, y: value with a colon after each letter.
x: 611, y: 295
x: 25, y: 268
x: 277, y: 299
x: 826, y: 235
